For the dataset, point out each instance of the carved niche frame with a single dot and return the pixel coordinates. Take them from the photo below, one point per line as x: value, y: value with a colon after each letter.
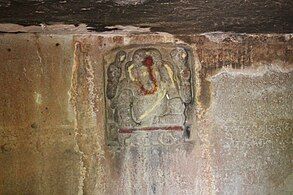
x: 147, y: 86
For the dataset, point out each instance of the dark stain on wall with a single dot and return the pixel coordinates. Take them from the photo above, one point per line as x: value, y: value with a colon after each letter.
x: 177, y: 16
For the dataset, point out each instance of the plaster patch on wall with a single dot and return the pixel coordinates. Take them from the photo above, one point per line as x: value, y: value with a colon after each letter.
x: 252, y: 72
x: 218, y: 37
x: 38, y: 98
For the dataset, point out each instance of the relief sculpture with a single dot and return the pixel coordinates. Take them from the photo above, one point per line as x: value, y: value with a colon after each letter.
x: 147, y: 92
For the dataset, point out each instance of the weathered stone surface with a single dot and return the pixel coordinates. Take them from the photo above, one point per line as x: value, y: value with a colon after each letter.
x: 53, y: 125
x: 252, y: 130
x: 37, y: 124
x: 176, y: 16
x: 148, y: 88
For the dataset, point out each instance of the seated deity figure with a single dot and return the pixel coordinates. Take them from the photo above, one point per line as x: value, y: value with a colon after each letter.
x: 153, y: 92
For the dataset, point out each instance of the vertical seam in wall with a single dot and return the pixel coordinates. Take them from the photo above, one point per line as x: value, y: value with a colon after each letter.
x: 73, y: 99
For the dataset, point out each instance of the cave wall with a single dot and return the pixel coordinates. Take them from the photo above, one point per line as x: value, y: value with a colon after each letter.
x: 52, y: 118
x: 176, y: 16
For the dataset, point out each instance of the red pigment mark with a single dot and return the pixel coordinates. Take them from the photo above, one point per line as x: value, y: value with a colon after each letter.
x: 148, y: 62
x: 167, y: 128
x: 125, y: 130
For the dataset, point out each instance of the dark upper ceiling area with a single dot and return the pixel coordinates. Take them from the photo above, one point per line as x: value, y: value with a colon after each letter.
x: 173, y: 16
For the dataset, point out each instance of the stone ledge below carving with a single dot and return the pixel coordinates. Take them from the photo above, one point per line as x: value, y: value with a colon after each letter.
x: 158, y: 137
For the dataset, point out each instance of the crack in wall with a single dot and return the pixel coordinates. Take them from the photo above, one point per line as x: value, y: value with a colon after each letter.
x: 73, y: 99
x: 39, y: 53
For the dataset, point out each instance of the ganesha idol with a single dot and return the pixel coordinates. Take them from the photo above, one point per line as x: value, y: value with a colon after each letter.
x: 150, y: 93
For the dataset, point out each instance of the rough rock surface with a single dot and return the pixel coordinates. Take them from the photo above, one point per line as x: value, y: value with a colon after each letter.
x: 52, y: 118
x: 173, y: 16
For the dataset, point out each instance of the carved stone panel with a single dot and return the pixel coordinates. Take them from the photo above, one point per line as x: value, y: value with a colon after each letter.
x: 148, y: 88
